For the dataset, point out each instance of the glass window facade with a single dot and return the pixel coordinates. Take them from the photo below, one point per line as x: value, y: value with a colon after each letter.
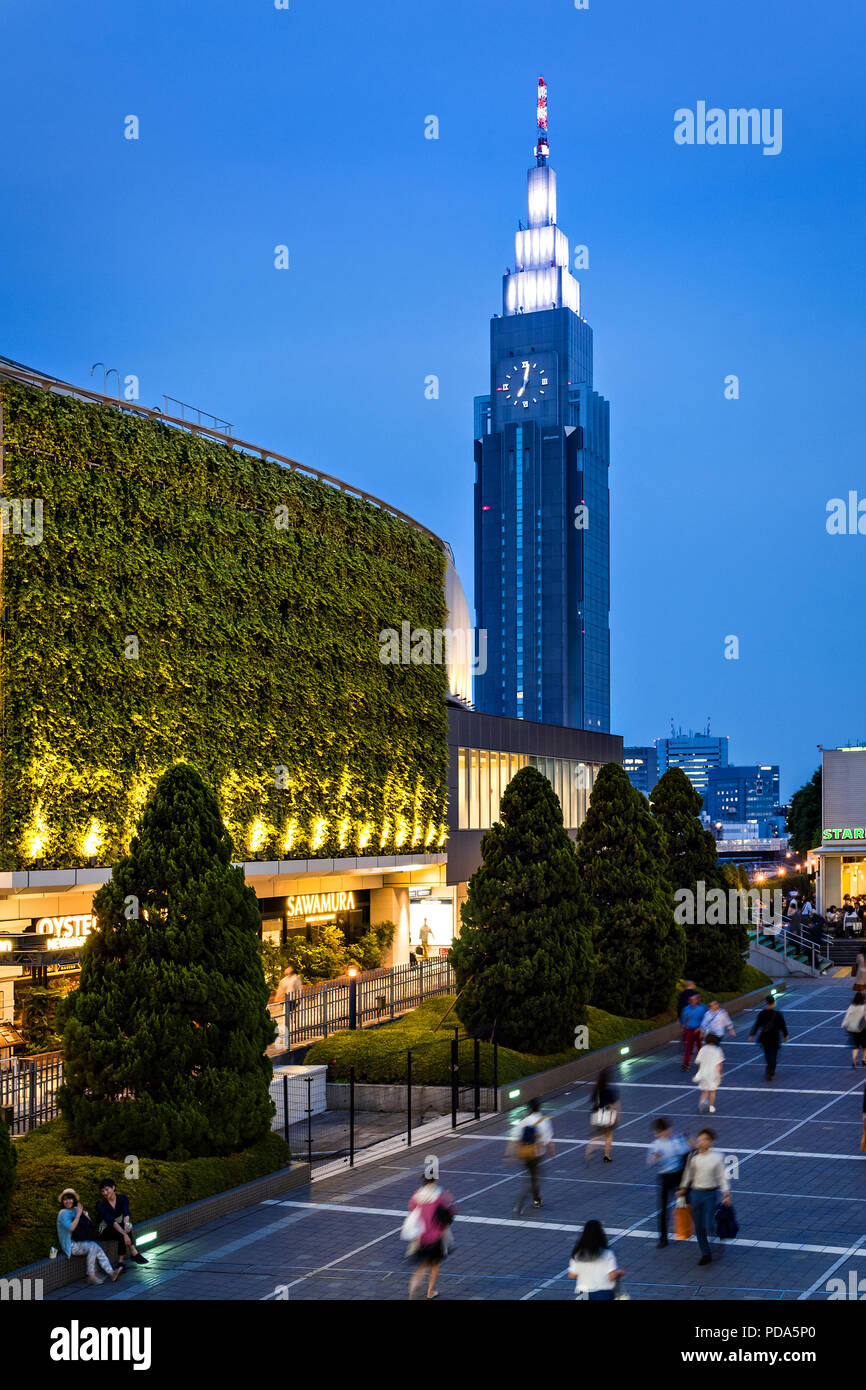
x: 483, y: 776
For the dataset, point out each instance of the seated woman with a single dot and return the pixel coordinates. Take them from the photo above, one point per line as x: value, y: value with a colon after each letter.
x: 113, y: 1211
x: 76, y: 1235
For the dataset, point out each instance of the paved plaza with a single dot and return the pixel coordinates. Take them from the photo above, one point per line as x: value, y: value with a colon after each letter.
x: 800, y: 1195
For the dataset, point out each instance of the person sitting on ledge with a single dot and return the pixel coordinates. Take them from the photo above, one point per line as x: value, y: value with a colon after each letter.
x: 113, y: 1211
x: 77, y: 1237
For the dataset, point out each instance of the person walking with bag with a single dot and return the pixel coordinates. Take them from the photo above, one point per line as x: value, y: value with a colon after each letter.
x: 854, y: 1024
x: 667, y: 1155
x: 858, y: 972
x: 593, y: 1264
x: 604, y: 1114
x: 533, y: 1141
x: 708, y: 1076
x: 427, y: 1228
x: 703, y: 1176
x: 770, y: 1028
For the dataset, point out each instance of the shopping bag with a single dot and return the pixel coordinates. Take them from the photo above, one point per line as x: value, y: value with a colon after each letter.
x: 684, y: 1226
x: 727, y: 1226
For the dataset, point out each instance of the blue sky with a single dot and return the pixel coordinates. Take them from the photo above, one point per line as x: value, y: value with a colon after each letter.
x: 306, y: 127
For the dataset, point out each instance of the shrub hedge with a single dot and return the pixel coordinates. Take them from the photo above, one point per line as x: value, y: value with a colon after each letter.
x: 46, y: 1166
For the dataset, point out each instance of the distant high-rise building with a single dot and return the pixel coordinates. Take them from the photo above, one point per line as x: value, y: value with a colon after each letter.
x: 747, y: 793
x: 642, y: 766
x: 542, y: 546
x: 694, y: 753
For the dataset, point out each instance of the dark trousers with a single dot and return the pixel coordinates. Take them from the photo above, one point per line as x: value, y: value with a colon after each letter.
x: 668, y: 1184
x: 703, y: 1203
x: 771, y: 1052
x: 531, y: 1166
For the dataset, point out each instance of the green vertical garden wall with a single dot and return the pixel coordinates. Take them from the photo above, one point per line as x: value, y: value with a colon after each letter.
x: 190, y: 601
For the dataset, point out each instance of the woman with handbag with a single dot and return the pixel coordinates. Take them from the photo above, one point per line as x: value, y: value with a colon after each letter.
x: 854, y: 1024
x: 604, y: 1115
x: 703, y: 1176
x: 428, y: 1230
x: 593, y: 1265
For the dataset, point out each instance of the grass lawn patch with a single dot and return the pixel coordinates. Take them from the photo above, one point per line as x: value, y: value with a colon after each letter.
x: 45, y: 1167
x: 379, y: 1054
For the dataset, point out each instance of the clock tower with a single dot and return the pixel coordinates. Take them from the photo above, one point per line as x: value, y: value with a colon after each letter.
x: 542, y: 545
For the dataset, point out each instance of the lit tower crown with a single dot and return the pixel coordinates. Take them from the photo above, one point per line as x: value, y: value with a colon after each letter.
x: 541, y: 279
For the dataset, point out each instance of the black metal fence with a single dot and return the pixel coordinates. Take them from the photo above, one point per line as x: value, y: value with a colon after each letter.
x: 431, y: 1088
x: 373, y: 997
x: 28, y: 1090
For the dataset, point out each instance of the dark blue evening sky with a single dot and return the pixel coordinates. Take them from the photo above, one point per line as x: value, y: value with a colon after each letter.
x: 306, y: 127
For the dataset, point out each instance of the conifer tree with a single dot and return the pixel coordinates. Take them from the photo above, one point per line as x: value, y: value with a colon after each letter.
x: 8, y: 1160
x: 524, y: 962
x: 164, y: 1041
x: 621, y: 853
x: 716, y: 923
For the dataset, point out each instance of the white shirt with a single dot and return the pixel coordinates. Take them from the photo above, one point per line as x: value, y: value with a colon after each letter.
x: 543, y: 1128
x: 594, y: 1275
x: 717, y: 1023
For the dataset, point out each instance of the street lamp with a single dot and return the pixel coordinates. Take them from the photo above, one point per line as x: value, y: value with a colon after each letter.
x: 353, y: 996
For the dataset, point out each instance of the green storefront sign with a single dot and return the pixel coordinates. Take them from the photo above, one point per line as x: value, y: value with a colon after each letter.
x: 858, y: 832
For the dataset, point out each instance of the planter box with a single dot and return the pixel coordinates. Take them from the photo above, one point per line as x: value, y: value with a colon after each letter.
x: 300, y: 1095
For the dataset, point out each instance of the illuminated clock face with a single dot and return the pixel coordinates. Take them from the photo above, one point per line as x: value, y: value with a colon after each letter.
x: 525, y: 382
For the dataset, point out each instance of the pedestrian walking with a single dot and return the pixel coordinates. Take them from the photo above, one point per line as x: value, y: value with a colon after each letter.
x: 593, y: 1264
x: 534, y: 1139
x: 428, y: 1230
x: 289, y: 991
x: 76, y: 1235
x: 858, y: 971
x: 854, y: 1024
x: 708, y: 1076
x: 703, y: 1177
x: 604, y: 1115
x: 667, y: 1156
x: 770, y: 1028
x: 717, y: 1021
x: 425, y: 934
x: 685, y: 996
x: 691, y: 1018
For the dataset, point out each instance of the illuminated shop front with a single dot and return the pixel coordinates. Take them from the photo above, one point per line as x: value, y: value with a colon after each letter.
x: 841, y: 857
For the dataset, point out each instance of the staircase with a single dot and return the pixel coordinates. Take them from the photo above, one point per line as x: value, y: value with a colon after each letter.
x: 789, y: 953
x: 844, y: 950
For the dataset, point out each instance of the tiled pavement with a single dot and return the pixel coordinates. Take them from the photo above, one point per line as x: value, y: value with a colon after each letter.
x: 800, y: 1195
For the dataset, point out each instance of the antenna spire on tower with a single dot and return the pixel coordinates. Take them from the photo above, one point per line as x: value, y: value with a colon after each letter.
x: 542, y: 149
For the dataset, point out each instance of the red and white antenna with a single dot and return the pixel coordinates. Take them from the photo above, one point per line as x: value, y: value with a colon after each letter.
x: 542, y: 149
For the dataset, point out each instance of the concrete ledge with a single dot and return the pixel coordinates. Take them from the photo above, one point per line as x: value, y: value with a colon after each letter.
x: 55, y: 1274
x: 393, y: 1097
x: 591, y: 1063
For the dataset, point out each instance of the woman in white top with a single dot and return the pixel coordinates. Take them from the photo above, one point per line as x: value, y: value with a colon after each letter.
x: 854, y: 1024
x: 709, y: 1073
x: 593, y: 1265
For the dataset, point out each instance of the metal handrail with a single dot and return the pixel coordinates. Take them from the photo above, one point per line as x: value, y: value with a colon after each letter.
x: 16, y: 372
x: 800, y: 943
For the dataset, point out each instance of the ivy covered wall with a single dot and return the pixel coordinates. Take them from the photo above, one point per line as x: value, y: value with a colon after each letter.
x: 173, y: 611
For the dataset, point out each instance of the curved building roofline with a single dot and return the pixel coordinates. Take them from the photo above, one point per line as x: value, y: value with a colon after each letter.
x: 15, y: 371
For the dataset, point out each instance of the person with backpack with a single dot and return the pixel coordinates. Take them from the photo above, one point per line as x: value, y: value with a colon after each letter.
x: 854, y: 1024
x: 603, y: 1116
x: 593, y: 1265
x: 770, y: 1028
x: 428, y: 1231
x: 534, y: 1140
x: 667, y: 1155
